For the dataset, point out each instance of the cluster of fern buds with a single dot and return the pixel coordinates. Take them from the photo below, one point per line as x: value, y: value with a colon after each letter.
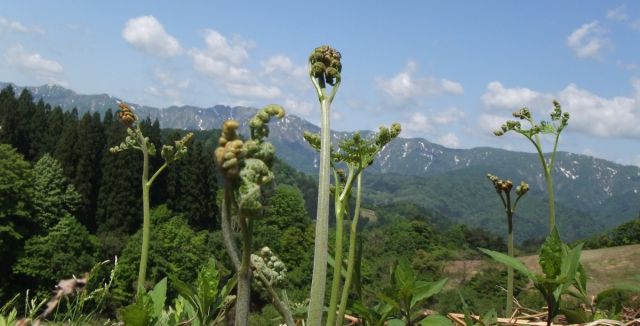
x: 325, y: 64
x: 126, y: 115
x: 230, y: 150
x: 561, y: 119
x: 269, y: 266
x: 506, y: 185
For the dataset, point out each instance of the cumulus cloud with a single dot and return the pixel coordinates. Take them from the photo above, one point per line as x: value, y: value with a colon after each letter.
x: 408, y: 86
x: 497, y: 96
x: 146, y: 34
x: 17, y: 26
x: 223, y: 61
x: 587, y: 40
x: 591, y: 114
x: 417, y: 124
x: 35, y: 65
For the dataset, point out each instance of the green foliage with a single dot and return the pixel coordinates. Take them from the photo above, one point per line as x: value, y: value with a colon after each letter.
x: 406, y: 294
x: 148, y: 307
x: 175, y: 249
x: 560, y: 265
x: 68, y: 249
x: 208, y: 300
x: 16, y: 193
x: 625, y: 234
x: 54, y: 197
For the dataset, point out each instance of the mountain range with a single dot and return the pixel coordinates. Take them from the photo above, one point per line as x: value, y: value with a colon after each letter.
x: 594, y: 192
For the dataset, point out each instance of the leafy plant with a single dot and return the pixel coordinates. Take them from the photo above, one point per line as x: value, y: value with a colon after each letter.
x: 135, y: 139
x: 503, y: 188
x: 270, y: 271
x: 559, y: 263
x: 559, y: 121
x: 357, y: 153
x: 207, y: 302
x: 148, y: 307
x: 246, y: 167
x: 324, y: 68
x: 405, y: 293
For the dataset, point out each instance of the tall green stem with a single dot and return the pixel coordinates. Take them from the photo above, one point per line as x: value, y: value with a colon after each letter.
x: 341, y: 200
x: 319, y: 279
x: 552, y: 209
x: 352, y: 253
x: 146, y: 217
x: 244, y: 273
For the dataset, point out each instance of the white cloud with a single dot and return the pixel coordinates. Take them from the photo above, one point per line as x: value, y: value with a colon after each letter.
x: 605, y: 117
x: 218, y: 47
x: 408, y: 86
x: 146, y: 34
x: 636, y: 160
x: 449, y: 140
x: 448, y: 116
x: 488, y: 123
x: 34, y: 64
x: 418, y: 124
x: 283, y: 64
x: 587, y: 40
x: 618, y: 14
x: 17, y: 26
x: 591, y: 114
x: 508, y: 98
x: 452, y: 87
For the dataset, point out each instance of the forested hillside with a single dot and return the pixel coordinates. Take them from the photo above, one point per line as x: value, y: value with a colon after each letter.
x: 68, y: 203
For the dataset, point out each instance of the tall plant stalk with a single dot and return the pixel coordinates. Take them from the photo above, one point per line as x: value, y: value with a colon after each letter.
x: 324, y: 68
x: 170, y: 153
x: 246, y: 167
x: 559, y: 121
x: 503, y: 188
x: 357, y: 154
x: 351, y: 259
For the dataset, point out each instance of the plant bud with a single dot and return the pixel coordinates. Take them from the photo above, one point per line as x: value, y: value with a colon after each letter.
x: 522, y: 189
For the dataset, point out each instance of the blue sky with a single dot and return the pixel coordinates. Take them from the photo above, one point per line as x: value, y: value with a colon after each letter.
x: 449, y: 71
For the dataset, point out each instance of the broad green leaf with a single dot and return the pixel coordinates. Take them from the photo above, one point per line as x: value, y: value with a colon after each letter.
x: 424, y: 290
x: 186, y: 292
x: 436, y: 320
x: 158, y: 296
x: 405, y: 278
x: 388, y: 300
x: 135, y: 315
x: 395, y: 322
x: 207, y: 283
x: 570, y: 264
x: 509, y: 261
x: 551, y: 255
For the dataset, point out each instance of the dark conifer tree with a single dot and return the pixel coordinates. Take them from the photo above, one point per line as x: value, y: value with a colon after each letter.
x: 55, y: 123
x: 119, y: 200
x: 37, y: 127
x: 8, y: 116
x: 191, y: 187
x: 64, y: 152
x: 88, y: 150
